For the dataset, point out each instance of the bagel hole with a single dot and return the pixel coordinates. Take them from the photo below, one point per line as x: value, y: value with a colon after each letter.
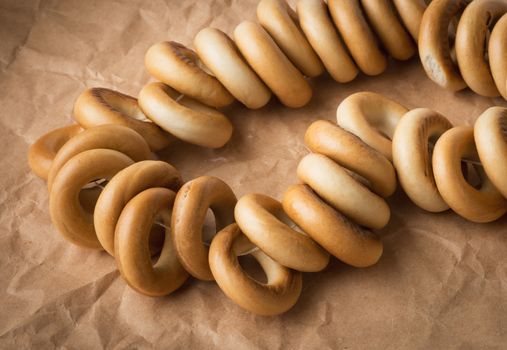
x: 156, y: 238
x: 90, y: 193
x: 252, y: 268
x: 472, y: 173
x: 209, y: 228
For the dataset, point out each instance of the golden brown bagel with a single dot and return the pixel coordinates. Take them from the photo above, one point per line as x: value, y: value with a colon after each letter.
x: 334, y: 232
x: 272, y: 66
x: 371, y: 117
x: 484, y: 204
x: 219, y: 53
x: 43, y: 151
x: 262, y: 220
x: 192, y: 202
x: 274, y: 17
x: 124, y: 186
x: 335, y: 185
x: 278, y: 295
x: 434, y: 49
x: 359, y: 38
x: 349, y: 151
x: 115, y: 137
x: 179, y: 67
x: 391, y: 32
x: 497, y: 53
x: 99, y: 106
x: 321, y: 33
x: 412, y: 158
x: 490, y: 132
x: 67, y: 213
x: 471, y: 45
x: 411, y: 13
x: 187, y: 119
x: 132, y: 250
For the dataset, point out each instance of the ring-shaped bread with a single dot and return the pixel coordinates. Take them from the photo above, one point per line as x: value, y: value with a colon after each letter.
x: 132, y: 249
x: 412, y: 157
x: 490, y: 135
x: 471, y: 45
x: 483, y: 204
x: 67, y: 212
x: 179, y: 67
x: 99, y: 106
x: 344, y: 192
x: 124, y: 186
x: 349, y: 19
x: 115, y: 137
x: 274, y: 17
x: 183, y: 117
x: 371, y: 117
x: 349, y: 151
x: 220, y: 54
x: 497, y: 54
x: 278, y: 295
x: 271, y: 64
x: 190, y: 207
x: 262, y: 220
x: 43, y: 151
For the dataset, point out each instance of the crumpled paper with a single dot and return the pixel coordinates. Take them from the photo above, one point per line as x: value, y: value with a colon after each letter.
x: 441, y: 283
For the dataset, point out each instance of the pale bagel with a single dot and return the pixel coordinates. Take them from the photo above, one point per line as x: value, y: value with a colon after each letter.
x: 98, y: 106
x: 179, y: 67
x: 473, y: 28
x: 262, y: 220
x: 412, y: 158
x: 278, y: 295
x: 192, y: 202
x: 273, y: 15
x: 67, y: 213
x: 321, y: 33
x: 219, y: 53
x: 341, y: 237
x: 124, y: 186
x: 272, y: 66
x: 43, y: 151
x: 484, y: 204
x: 497, y: 53
x: 132, y: 251
x: 187, y: 119
x: 371, y: 117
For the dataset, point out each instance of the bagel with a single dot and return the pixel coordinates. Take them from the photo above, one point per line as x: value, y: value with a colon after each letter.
x: 497, y: 53
x: 99, y: 106
x: 484, y: 204
x: 219, y: 53
x: 490, y: 140
x: 124, y: 186
x: 273, y: 15
x: 335, y: 185
x: 132, y: 252
x: 179, y: 67
x: 434, y: 49
x: 358, y: 37
x: 262, y: 220
x: 103, y: 136
x: 371, y: 117
x: 412, y: 158
x: 43, y: 151
x: 471, y: 44
x: 187, y: 119
x: 349, y: 151
x: 334, y: 232
x: 272, y: 66
x: 278, y: 295
x: 411, y: 13
x: 322, y: 35
x: 192, y: 202
x: 67, y: 213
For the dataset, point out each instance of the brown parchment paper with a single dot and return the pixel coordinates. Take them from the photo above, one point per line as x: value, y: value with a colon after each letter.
x: 441, y: 283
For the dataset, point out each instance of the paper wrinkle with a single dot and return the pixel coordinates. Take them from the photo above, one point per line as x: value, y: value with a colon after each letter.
x: 441, y: 282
